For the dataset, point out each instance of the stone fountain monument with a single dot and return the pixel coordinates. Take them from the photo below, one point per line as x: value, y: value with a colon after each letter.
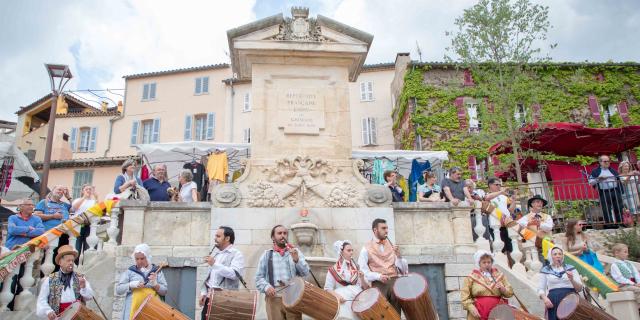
x: 300, y: 174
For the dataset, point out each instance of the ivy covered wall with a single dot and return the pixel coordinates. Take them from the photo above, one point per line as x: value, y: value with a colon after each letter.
x: 426, y: 104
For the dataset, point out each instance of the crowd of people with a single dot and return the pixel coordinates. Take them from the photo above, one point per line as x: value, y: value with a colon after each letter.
x: 377, y: 265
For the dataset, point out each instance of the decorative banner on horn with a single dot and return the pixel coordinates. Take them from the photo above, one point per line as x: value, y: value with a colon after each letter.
x: 20, y: 255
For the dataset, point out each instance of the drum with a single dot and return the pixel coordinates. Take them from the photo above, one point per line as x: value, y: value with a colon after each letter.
x: 412, y: 292
x: 232, y: 305
x: 573, y: 307
x: 487, y: 207
x: 152, y: 308
x: 78, y: 311
x: 303, y: 297
x: 507, y: 312
x: 370, y: 304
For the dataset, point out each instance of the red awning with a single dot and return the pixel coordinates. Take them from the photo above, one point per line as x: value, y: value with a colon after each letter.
x: 572, y: 139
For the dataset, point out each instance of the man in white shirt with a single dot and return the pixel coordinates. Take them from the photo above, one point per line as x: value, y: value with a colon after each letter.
x: 382, y: 262
x: 538, y: 222
x: 607, y: 180
x: 226, y: 267
x: 62, y: 288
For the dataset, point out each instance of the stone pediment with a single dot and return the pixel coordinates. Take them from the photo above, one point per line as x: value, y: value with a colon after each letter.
x: 297, y: 36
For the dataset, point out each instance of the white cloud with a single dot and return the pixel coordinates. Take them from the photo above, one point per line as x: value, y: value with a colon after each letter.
x: 112, y: 39
x: 119, y: 37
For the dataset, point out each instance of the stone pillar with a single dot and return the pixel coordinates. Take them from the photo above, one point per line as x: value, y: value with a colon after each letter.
x: 6, y: 296
x: 481, y: 242
x: 623, y: 305
x: 48, y: 266
x: 113, y: 230
x: 134, y: 212
x: 92, y: 239
x: 26, y: 300
x: 461, y: 221
x: 516, y: 254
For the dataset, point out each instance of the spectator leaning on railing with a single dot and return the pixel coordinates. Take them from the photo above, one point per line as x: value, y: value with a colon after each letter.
x: 453, y: 187
x: 629, y: 180
x: 607, y: 180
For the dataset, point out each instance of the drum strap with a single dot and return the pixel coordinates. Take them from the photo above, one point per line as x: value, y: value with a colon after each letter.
x: 270, y: 269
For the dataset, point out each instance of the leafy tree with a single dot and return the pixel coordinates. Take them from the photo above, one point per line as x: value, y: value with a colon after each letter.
x: 498, y: 39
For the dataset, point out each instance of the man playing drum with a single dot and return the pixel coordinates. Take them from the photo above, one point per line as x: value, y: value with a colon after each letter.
x: 381, y: 262
x: 276, y: 267
x: 62, y: 288
x: 226, y: 266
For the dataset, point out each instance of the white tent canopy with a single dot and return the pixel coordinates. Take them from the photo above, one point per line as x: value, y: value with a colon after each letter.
x: 21, y: 169
x: 175, y: 154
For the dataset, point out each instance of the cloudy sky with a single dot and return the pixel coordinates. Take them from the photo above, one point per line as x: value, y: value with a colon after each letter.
x: 104, y: 40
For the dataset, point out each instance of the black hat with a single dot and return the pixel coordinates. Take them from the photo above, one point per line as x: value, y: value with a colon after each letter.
x: 536, y: 197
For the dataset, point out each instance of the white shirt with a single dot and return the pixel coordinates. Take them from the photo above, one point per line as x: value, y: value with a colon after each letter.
x: 370, y: 276
x: 185, y: 191
x: 545, y: 225
x: 608, y: 183
x: 617, y: 275
x: 88, y: 203
x: 549, y: 281
x: 501, y: 202
x: 43, y: 308
x: 223, y: 268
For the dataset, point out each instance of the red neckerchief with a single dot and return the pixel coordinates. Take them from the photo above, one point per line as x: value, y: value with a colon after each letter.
x: 279, y: 250
x: 23, y: 218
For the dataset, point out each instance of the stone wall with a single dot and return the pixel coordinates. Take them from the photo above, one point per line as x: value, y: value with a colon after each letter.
x: 435, y: 233
x: 180, y: 235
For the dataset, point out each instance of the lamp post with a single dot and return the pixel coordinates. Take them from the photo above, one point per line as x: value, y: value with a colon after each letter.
x: 61, y: 74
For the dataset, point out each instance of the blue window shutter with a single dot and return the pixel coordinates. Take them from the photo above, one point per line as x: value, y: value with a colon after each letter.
x: 198, y: 84
x: 211, y: 125
x: 134, y: 132
x: 152, y: 91
x: 187, y: 128
x: 74, y: 139
x: 92, y: 139
x: 155, y: 137
x: 145, y: 92
x: 205, y: 85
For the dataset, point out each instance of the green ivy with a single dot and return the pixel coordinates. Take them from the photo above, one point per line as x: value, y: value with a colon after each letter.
x: 561, y: 90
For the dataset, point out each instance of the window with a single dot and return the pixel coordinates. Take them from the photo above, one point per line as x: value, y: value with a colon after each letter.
x: 246, y: 107
x: 145, y: 131
x: 366, y: 91
x: 246, y: 137
x: 80, y: 178
x: 608, y: 112
x: 199, y: 126
x: 369, y: 134
x: 149, y: 91
x: 202, y: 85
x: 520, y: 114
x: 83, y: 139
x: 472, y: 112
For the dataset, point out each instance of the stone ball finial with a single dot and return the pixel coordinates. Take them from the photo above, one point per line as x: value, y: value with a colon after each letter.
x: 299, y: 12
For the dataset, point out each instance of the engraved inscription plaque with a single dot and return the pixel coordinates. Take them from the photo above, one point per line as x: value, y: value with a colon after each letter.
x: 301, y: 111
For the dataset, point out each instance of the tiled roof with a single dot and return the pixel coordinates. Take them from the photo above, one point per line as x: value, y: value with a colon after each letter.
x: 173, y: 71
x: 378, y: 66
x: 98, y: 113
x: 48, y: 96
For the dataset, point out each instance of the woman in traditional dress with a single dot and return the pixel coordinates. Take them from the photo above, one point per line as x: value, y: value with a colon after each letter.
x: 484, y: 288
x: 140, y: 280
x: 557, y: 280
x: 344, y: 278
x: 578, y: 244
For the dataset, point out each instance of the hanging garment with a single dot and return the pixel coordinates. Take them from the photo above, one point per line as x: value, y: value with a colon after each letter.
x: 197, y: 169
x: 378, y: 172
x: 402, y: 182
x: 218, y: 166
x: 416, y: 178
x: 144, y: 172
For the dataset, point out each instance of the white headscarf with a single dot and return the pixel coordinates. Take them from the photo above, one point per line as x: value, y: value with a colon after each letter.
x: 482, y: 253
x: 339, y: 245
x: 550, y: 259
x: 144, y: 249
